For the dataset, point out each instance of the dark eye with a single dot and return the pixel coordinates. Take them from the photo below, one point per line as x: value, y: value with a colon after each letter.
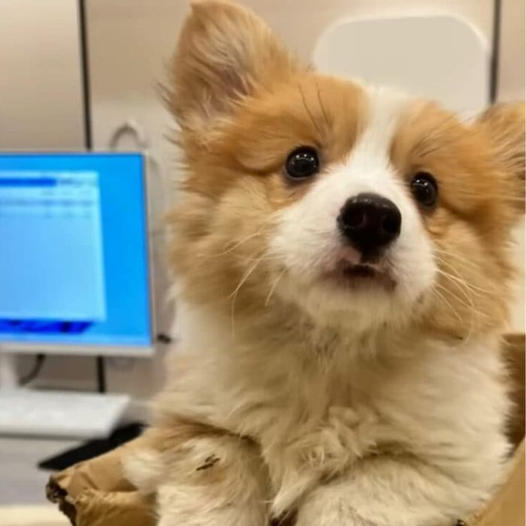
x: 425, y: 189
x: 302, y: 163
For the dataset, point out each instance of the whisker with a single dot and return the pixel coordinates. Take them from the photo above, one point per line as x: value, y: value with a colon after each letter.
x: 455, y: 312
x: 266, y: 257
x: 237, y: 244
x: 462, y: 262
x: 459, y: 277
x: 468, y: 305
x: 459, y: 284
x: 311, y: 116
x: 235, y: 292
x: 445, y: 300
x: 462, y: 283
x: 325, y: 117
x: 274, y: 286
x: 245, y: 277
x: 457, y: 257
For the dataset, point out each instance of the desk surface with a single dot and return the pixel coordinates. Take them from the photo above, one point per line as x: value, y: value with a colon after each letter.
x: 21, y: 481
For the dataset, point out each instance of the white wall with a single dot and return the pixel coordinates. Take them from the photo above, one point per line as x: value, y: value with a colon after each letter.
x: 40, y: 83
x: 130, y: 42
x: 512, y: 58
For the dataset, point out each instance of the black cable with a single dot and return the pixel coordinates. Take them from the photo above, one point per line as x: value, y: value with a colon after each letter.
x: 35, y: 370
x: 494, y: 79
x: 164, y: 338
x: 88, y: 140
x: 84, y: 65
x: 101, y: 375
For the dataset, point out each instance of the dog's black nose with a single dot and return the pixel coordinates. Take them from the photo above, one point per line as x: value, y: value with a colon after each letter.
x: 370, y: 222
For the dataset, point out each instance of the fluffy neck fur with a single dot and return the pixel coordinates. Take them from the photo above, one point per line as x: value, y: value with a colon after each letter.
x: 322, y: 398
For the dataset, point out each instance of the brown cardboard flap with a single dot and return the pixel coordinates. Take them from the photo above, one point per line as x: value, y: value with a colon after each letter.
x: 94, y: 493
x: 514, y: 354
x: 98, y: 508
x: 507, y: 507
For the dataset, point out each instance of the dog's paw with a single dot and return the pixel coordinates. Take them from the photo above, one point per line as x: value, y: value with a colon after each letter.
x: 333, y: 519
x: 323, y: 508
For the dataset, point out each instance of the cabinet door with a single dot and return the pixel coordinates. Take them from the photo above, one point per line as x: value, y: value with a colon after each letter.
x: 41, y: 99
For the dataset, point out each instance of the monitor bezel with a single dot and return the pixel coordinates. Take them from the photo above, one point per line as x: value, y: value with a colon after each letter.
x: 75, y: 349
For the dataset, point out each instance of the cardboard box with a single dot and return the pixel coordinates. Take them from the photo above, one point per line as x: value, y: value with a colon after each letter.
x: 94, y: 493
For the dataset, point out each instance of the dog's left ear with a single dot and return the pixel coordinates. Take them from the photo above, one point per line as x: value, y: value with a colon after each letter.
x: 504, y: 125
x: 225, y: 52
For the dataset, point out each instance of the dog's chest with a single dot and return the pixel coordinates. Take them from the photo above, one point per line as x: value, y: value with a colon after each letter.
x: 275, y: 388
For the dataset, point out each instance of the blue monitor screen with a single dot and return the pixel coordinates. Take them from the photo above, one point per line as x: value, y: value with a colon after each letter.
x: 73, y: 250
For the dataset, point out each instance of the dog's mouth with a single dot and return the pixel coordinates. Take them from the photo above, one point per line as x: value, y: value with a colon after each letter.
x: 353, y: 275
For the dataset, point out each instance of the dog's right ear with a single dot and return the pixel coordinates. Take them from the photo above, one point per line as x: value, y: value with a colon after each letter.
x: 504, y: 125
x: 225, y: 52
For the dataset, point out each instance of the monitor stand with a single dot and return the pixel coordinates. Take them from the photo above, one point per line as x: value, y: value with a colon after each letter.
x: 8, y: 371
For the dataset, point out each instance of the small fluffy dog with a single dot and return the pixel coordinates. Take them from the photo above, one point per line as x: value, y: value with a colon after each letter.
x: 344, y: 274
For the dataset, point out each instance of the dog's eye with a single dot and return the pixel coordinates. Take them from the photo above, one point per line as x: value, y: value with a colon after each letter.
x: 303, y: 162
x: 425, y: 189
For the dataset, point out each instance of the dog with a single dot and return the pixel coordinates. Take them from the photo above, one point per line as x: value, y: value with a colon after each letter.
x: 343, y: 276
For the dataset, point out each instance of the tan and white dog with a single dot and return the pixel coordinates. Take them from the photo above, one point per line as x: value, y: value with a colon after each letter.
x: 343, y: 268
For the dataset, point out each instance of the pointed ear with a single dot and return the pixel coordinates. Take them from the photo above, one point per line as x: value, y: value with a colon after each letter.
x: 504, y: 125
x: 224, y: 53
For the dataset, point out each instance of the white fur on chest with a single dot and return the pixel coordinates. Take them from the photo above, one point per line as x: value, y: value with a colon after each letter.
x: 314, y: 417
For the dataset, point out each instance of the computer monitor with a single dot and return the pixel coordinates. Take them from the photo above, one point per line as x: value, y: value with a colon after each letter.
x: 74, y: 259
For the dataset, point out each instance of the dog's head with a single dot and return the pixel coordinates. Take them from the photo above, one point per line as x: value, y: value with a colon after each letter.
x: 346, y: 202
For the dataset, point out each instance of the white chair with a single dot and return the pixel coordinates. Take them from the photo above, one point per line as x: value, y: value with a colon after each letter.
x: 439, y: 57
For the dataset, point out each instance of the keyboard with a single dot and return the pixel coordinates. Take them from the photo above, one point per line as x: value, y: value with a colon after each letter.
x: 62, y: 414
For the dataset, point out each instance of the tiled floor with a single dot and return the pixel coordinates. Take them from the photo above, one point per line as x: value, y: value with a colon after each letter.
x: 21, y: 482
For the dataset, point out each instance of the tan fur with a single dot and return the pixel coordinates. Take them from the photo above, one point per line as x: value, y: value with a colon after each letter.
x: 391, y: 414
x: 474, y: 209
